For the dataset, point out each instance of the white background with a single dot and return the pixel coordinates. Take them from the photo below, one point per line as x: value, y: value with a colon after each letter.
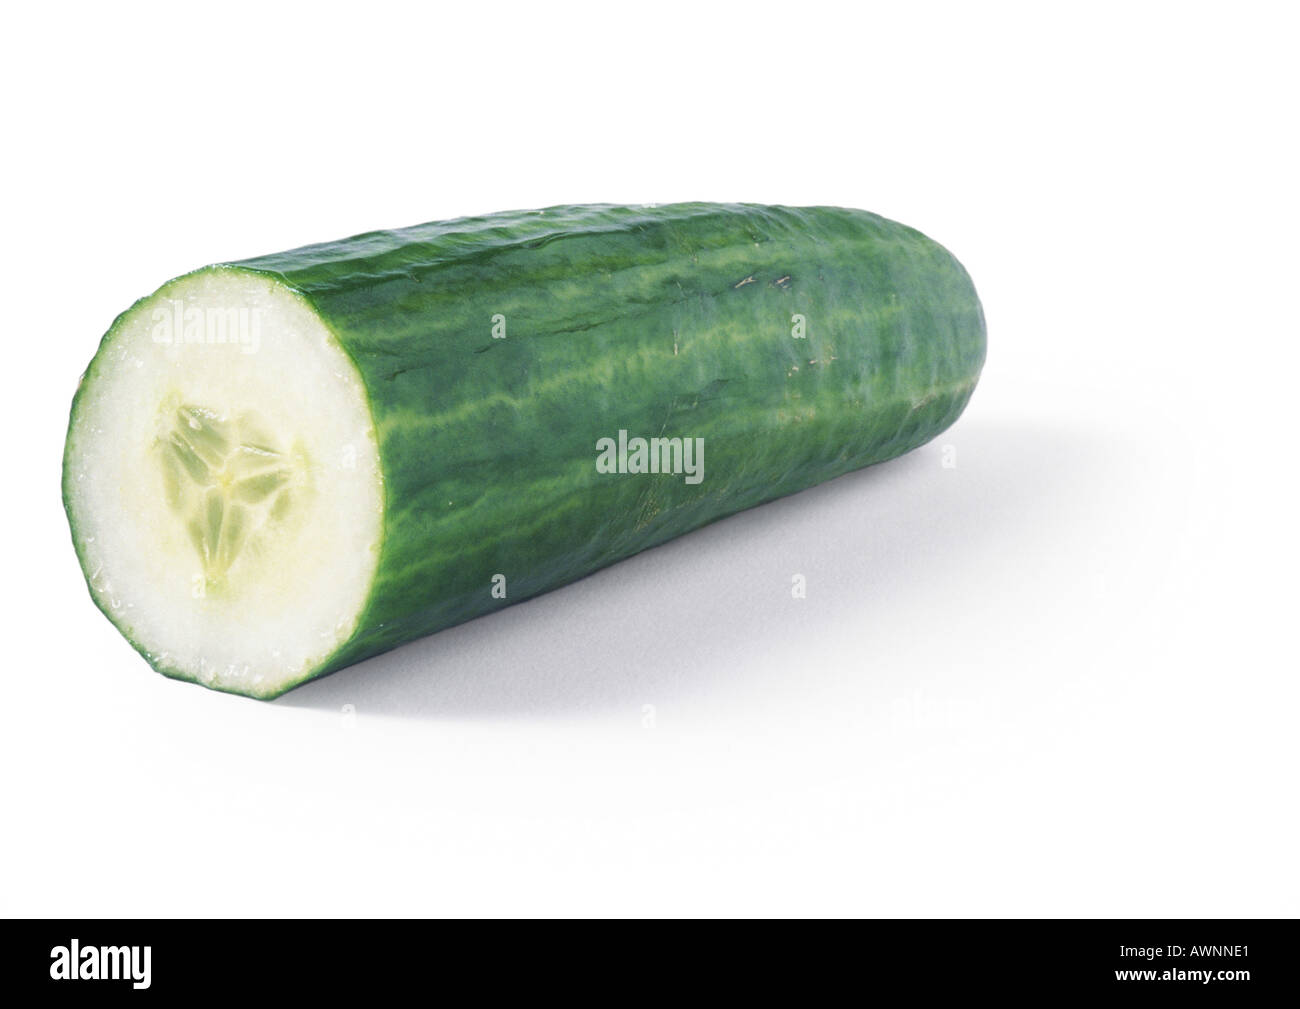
x: 1059, y: 679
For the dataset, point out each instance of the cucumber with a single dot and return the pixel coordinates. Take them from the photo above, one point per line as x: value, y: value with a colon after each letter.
x: 279, y: 467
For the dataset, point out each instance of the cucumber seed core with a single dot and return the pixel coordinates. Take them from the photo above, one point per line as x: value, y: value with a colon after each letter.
x: 227, y: 479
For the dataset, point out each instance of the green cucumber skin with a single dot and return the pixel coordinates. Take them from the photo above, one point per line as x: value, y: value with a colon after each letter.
x: 635, y: 318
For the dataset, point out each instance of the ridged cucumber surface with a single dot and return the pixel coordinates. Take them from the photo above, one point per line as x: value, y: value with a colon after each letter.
x: 384, y: 436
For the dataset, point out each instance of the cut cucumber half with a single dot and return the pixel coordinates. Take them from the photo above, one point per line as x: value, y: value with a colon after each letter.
x: 222, y: 473
x: 283, y: 466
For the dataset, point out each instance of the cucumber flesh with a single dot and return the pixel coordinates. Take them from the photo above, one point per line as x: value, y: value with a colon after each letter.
x: 223, y: 475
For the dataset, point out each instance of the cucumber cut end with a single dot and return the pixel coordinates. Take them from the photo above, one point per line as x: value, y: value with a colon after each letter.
x: 223, y: 484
